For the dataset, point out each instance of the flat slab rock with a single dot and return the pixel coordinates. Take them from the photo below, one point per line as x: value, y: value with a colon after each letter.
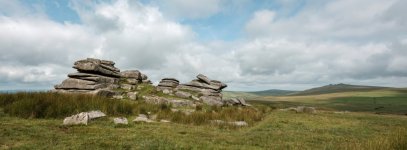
x: 121, y: 120
x: 97, y: 66
x: 83, y: 117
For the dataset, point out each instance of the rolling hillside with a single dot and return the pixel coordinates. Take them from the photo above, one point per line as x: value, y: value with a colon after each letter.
x: 336, y: 88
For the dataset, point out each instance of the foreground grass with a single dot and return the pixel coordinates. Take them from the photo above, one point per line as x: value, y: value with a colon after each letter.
x: 279, y: 130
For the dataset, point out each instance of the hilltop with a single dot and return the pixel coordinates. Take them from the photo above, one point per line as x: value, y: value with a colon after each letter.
x: 335, y: 88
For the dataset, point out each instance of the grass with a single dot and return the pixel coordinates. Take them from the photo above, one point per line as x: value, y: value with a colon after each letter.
x: 268, y: 128
x: 379, y: 101
x: 279, y: 130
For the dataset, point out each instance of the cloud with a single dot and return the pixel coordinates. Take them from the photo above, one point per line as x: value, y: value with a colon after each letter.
x: 190, y: 9
x: 339, y: 42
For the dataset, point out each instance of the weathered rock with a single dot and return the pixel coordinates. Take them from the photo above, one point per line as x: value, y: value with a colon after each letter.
x: 142, y: 118
x: 97, y: 66
x: 132, y: 81
x: 95, y: 114
x: 168, y: 82
x: 243, y: 102
x: 72, y: 83
x: 164, y: 121
x: 212, y: 100
x: 167, y: 91
x: 127, y: 86
x: 203, y: 78
x: 133, y: 74
x: 304, y: 109
x: 94, y: 77
x: 81, y: 118
x: 147, y: 81
x: 234, y: 123
x: 121, y: 120
x: 144, y: 77
x: 301, y: 109
x: 132, y: 95
x: 239, y: 123
x: 105, y: 92
x: 201, y: 84
x: 183, y: 94
x: 173, y: 102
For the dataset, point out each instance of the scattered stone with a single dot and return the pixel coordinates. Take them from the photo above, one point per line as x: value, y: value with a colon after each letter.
x: 301, y: 109
x: 121, y: 120
x: 132, y: 95
x: 81, y: 118
x: 127, y: 86
x: 234, y: 123
x: 95, y: 114
x: 239, y: 123
x: 142, y: 118
x: 164, y: 121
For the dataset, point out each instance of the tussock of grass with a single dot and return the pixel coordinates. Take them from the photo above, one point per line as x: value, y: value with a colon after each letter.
x: 57, y: 105
x: 205, y: 116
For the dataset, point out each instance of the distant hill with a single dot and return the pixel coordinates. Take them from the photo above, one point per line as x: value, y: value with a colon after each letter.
x: 335, y: 88
x: 273, y: 92
x: 245, y: 95
x: 251, y: 95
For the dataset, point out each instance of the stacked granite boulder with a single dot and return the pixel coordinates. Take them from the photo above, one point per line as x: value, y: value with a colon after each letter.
x: 94, y: 75
x: 201, y: 89
x: 207, y: 90
x: 167, y: 85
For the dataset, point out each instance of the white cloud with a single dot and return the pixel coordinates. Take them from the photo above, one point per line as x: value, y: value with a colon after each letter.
x: 340, y: 42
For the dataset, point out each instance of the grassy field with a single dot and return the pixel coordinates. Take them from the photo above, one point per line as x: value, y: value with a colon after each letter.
x: 268, y: 128
x: 390, y: 101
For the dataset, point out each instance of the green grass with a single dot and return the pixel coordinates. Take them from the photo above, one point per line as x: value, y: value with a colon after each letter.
x: 268, y: 129
x: 379, y: 101
x: 279, y: 130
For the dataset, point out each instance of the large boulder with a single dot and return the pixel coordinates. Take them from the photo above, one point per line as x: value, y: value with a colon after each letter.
x: 97, y: 66
x: 134, y: 74
x: 72, y: 83
x: 208, y: 91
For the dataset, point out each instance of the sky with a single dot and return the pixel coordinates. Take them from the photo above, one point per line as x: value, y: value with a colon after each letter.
x: 248, y: 44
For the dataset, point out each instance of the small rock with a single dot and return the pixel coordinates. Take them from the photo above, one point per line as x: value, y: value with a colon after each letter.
x: 166, y: 91
x: 120, y: 120
x: 95, y: 114
x: 304, y: 109
x: 195, y: 98
x: 164, y: 121
x: 127, y: 86
x: 132, y: 95
x: 239, y: 123
x: 81, y: 118
x: 142, y: 118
